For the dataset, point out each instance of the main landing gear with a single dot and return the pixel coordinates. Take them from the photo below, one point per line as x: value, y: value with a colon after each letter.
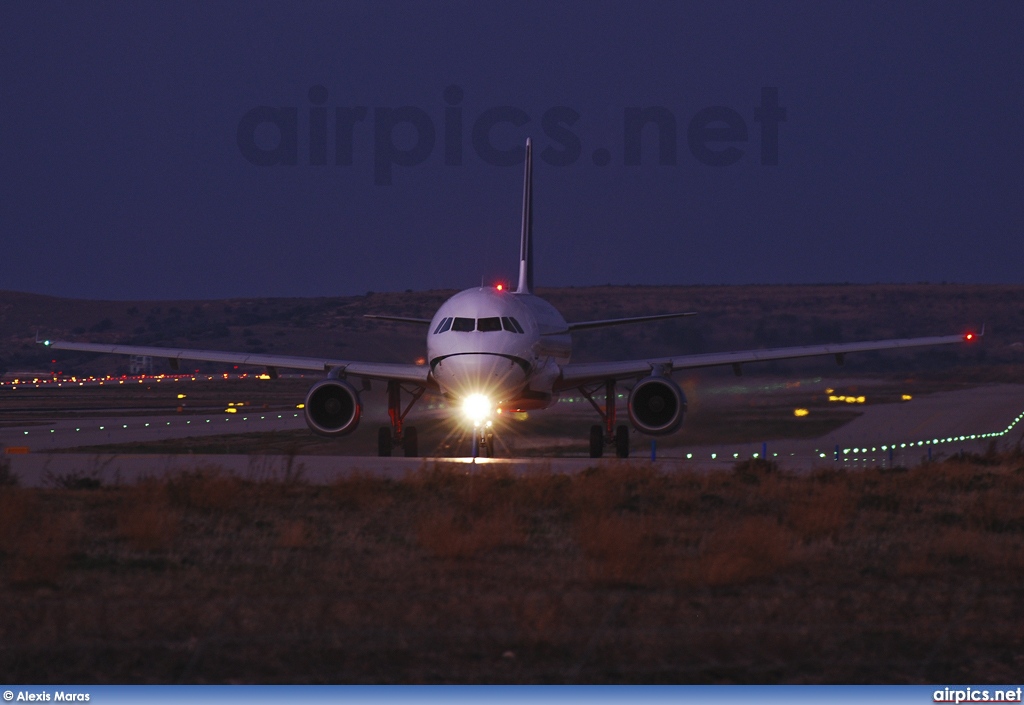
x: 399, y: 435
x: 609, y: 434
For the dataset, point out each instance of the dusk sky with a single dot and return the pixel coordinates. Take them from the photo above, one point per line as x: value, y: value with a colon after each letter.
x: 124, y: 172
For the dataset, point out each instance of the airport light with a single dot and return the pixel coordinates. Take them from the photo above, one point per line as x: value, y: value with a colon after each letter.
x: 800, y: 412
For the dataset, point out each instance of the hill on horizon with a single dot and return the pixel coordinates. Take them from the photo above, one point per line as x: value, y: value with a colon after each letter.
x: 730, y: 318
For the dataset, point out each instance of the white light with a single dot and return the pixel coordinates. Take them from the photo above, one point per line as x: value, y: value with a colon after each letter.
x: 476, y: 407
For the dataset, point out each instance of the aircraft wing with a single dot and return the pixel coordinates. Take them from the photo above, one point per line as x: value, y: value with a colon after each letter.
x: 414, y: 374
x: 576, y: 374
x: 590, y: 325
x: 398, y: 319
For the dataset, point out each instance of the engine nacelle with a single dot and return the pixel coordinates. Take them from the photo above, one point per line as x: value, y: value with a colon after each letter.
x: 657, y: 406
x: 332, y: 408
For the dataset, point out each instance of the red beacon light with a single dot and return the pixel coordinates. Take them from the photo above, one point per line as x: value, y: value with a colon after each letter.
x: 969, y: 337
x: 500, y: 287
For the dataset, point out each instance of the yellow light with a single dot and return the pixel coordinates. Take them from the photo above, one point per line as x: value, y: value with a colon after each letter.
x: 835, y: 398
x: 907, y: 397
x: 264, y: 376
x: 800, y: 412
x: 829, y: 390
x: 300, y: 406
x: 181, y: 396
x: 476, y: 407
x: 860, y: 400
x: 231, y: 410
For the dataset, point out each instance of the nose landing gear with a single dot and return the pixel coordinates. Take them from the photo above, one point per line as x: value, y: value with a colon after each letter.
x: 483, y: 441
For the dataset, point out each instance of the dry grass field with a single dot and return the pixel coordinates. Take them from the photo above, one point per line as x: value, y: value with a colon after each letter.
x: 619, y: 575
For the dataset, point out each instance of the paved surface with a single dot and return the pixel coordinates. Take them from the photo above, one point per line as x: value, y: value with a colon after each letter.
x: 101, y: 431
x: 49, y: 469
x: 891, y: 434
x: 903, y: 433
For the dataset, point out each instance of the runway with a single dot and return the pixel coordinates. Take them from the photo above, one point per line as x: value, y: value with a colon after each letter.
x: 72, y: 433
x: 935, y: 425
x: 901, y: 434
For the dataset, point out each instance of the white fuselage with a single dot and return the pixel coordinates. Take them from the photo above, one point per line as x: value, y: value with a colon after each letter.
x: 504, y: 345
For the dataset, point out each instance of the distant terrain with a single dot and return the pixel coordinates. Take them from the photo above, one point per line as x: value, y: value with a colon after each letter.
x: 731, y: 317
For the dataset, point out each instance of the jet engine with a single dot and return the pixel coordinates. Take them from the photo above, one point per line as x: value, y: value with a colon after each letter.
x: 657, y: 406
x: 332, y: 408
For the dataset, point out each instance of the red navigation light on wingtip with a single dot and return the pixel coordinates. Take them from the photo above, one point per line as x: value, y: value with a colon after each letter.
x: 500, y: 287
x: 968, y: 337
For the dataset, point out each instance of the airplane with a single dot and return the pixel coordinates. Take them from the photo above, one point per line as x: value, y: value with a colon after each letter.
x: 491, y: 350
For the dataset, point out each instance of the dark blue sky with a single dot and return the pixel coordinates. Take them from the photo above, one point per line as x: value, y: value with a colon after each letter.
x: 900, y: 158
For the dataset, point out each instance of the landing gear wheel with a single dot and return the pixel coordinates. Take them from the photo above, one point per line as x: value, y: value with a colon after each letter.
x: 410, y: 442
x: 622, y: 442
x: 596, y: 441
x: 384, y: 442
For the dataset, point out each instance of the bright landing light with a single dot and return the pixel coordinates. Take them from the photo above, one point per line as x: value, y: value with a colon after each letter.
x: 476, y: 407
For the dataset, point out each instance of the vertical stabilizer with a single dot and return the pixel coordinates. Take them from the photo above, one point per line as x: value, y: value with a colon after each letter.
x: 526, y: 239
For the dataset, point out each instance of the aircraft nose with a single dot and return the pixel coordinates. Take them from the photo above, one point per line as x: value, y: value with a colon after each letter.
x: 500, y: 377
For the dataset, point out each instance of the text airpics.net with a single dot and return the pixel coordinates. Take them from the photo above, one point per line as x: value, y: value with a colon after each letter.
x: 977, y: 695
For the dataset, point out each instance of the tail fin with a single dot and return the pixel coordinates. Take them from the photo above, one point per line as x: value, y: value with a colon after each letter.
x: 526, y: 239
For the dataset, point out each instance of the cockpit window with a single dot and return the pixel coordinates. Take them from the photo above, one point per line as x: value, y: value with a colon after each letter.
x: 484, y: 325
x: 487, y: 325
